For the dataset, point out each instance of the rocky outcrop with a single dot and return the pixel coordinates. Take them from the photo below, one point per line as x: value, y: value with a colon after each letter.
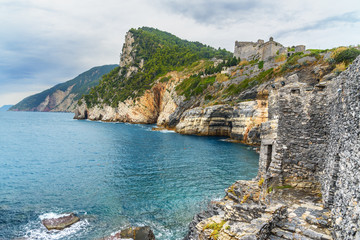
x: 247, y: 212
x: 61, y: 222
x: 135, y: 233
x: 240, y: 122
x: 58, y: 101
x: 308, y: 166
x: 155, y: 106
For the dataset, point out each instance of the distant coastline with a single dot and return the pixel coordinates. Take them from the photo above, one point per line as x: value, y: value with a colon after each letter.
x: 5, y: 108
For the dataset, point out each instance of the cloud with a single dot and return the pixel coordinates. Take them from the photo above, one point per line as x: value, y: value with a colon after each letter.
x: 325, y: 23
x: 47, y: 42
x: 212, y: 11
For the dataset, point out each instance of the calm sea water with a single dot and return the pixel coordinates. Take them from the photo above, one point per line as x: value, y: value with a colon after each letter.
x: 113, y: 175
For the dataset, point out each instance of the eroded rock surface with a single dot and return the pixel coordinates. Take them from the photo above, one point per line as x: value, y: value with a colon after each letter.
x: 61, y: 222
x: 135, y: 233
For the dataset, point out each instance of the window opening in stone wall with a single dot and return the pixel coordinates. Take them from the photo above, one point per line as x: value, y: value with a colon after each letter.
x: 295, y: 91
x: 268, y: 156
x: 320, y: 87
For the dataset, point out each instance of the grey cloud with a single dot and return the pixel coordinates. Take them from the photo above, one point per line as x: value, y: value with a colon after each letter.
x: 211, y: 12
x: 325, y: 23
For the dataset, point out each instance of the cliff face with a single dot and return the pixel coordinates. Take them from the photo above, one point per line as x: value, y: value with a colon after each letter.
x: 238, y: 117
x: 155, y: 106
x: 340, y: 179
x: 64, y: 96
x: 240, y: 122
x: 59, y: 101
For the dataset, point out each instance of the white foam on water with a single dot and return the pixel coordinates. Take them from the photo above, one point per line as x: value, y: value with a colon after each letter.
x: 52, y: 215
x: 167, y: 131
x: 224, y: 140
x: 35, y: 230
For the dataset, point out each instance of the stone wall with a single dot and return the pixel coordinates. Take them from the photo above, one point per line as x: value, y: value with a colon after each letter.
x: 246, y: 50
x: 341, y: 178
x: 257, y: 50
x: 312, y: 138
x: 294, y: 139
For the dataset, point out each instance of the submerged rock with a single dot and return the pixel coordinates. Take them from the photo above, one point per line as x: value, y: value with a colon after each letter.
x: 61, y: 222
x: 135, y: 233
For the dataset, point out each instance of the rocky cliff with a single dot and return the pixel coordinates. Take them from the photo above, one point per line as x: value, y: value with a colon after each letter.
x: 240, y: 122
x: 291, y: 105
x: 207, y: 97
x: 64, y: 96
x: 308, y: 166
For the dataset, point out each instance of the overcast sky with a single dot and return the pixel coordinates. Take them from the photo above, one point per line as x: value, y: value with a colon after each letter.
x: 45, y: 42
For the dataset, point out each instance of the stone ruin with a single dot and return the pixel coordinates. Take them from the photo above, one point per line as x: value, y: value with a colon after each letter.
x: 311, y: 141
x: 263, y: 50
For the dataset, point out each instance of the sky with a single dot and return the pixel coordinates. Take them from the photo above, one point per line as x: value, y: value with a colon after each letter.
x: 44, y: 42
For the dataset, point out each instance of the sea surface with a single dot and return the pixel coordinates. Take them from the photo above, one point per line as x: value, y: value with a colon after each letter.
x: 113, y: 175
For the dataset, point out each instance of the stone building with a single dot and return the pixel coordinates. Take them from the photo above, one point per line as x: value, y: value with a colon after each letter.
x: 257, y: 50
x: 262, y: 50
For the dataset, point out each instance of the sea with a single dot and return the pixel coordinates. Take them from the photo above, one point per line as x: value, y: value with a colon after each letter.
x: 112, y: 175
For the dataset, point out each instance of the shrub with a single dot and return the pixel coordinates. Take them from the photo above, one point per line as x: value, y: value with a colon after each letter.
x: 164, y: 79
x: 347, y: 56
x: 194, y: 85
x: 235, y: 89
x: 280, y: 58
x: 209, y: 97
x: 261, y: 181
x: 261, y: 64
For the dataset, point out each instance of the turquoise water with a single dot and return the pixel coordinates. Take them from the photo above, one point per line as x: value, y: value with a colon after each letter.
x: 111, y: 174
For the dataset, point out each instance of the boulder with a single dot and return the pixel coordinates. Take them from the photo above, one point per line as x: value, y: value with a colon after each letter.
x: 61, y: 222
x: 135, y: 233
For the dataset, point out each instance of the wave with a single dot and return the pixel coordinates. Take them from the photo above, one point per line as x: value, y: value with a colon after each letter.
x: 167, y: 131
x: 35, y: 230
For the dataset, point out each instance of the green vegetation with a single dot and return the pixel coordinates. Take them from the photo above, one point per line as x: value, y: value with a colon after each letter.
x: 81, y: 85
x: 261, y: 182
x: 216, y: 227
x: 284, y: 187
x: 164, y: 79
x: 235, y: 89
x: 229, y: 62
x: 194, y: 85
x: 317, y: 51
x: 261, y: 64
x: 245, y: 197
x: 347, y: 56
x: 291, y: 62
x: 162, y: 52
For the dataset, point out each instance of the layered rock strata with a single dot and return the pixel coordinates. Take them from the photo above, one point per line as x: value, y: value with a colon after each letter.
x: 241, y: 122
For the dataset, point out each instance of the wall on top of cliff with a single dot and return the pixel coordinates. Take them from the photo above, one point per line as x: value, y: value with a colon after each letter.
x: 341, y: 178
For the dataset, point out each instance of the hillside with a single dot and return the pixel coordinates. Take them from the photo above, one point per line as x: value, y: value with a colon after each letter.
x: 196, y: 89
x: 5, y: 108
x: 64, y: 96
x: 147, y: 54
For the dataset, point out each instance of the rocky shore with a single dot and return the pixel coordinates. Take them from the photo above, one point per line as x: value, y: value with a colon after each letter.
x: 306, y: 184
